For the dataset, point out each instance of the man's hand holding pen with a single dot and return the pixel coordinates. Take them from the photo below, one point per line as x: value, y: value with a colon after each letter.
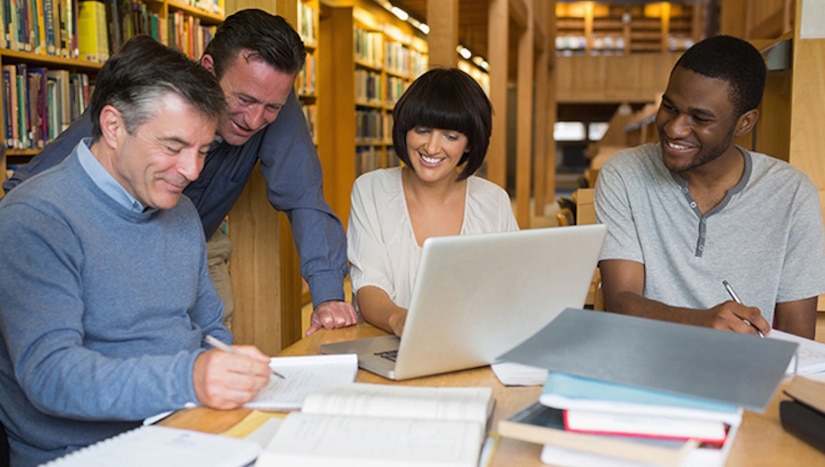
x: 228, y: 380
x: 732, y: 316
x: 751, y: 314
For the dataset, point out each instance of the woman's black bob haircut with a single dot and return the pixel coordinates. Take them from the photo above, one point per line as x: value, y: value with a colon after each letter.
x: 447, y: 99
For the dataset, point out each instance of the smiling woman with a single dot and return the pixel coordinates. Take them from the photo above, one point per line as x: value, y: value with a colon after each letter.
x: 441, y: 132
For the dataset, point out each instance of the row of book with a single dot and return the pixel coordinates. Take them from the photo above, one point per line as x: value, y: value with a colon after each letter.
x: 47, y: 27
x: 311, y: 116
x: 368, y: 158
x: 305, y: 25
x: 92, y: 30
x: 305, y: 80
x: 369, y: 48
x: 372, y: 89
x: 103, y: 27
x: 40, y: 103
x: 396, y: 57
x: 372, y: 126
x: 369, y: 87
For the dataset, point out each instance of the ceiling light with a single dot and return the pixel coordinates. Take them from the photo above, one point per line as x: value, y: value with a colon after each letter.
x: 401, y: 14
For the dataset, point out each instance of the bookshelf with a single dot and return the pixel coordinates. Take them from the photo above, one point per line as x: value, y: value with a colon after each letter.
x: 49, y: 65
x: 590, y: 28
x: 370, y: 58
x: 306, y: 81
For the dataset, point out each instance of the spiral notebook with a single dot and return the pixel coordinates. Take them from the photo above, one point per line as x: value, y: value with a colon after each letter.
x: 161, y: 446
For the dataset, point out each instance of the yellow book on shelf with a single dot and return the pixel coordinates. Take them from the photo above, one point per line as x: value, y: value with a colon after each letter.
x: 91, y: 31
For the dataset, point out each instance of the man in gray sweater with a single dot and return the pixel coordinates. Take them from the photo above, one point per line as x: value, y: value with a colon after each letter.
x: 106, y: 298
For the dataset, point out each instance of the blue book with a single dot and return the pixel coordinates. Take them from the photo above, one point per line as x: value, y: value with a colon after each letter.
x: 568, y: 392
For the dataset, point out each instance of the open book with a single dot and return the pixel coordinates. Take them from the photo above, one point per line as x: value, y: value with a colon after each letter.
x: 383, y: 425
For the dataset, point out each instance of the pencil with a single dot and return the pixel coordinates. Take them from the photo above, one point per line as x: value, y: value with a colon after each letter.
x: 221, y: 346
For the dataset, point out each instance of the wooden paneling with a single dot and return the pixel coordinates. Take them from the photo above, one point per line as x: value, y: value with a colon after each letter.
x: 614, y: 78
x: 443, y: 32
x: 263, y: 272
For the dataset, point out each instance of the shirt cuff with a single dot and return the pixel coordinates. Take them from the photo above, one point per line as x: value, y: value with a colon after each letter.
x: 326, y: 287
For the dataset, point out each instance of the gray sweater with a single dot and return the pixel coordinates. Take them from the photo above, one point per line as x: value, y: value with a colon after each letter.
x: 102, y: 312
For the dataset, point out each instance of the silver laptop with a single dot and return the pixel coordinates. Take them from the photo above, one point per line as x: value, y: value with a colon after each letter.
x: 478, y: 296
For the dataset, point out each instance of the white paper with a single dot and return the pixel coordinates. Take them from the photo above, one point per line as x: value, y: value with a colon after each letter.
x: 303, y: 376
x: 810, y: 354
x: 516, y: 374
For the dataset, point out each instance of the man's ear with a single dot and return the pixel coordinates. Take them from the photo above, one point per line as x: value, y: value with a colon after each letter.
x: 746, y: 122
x: 208, y: 63
x: 111, y: 126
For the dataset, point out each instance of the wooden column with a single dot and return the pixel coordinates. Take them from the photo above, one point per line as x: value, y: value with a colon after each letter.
x: 497, y: 50
x: 336, y: 121
x: 525, y: 109
x: 442, y: 41
x: 544, y: 169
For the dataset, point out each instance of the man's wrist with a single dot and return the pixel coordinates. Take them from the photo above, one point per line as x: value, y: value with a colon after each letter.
x: 326, y: 287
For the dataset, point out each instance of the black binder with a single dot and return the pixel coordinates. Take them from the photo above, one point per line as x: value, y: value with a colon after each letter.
x: 803, y: 422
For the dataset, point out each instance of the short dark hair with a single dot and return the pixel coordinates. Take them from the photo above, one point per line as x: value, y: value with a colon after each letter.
x: 142, y: 71
x: 449, y: 99
x: 732, y: 60
x: 269, y: 37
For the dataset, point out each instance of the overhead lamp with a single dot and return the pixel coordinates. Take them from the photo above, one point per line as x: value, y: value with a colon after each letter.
x: 401, y: 14
x: 464, y: 52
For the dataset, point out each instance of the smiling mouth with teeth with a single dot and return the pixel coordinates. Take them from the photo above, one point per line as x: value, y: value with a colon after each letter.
x: 677, y: 146
x: 431, y: 160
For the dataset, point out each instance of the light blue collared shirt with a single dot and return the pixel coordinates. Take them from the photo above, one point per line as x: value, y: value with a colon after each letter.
x: 103, y: 179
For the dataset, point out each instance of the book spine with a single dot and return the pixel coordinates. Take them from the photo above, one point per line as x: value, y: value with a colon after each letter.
x: 3, y: 24
x: 7, y: 107
x: 102, y: 34
x: 48, y: 15
x: 41, y: 44
x: 52, y: 112
x: 22, y: 108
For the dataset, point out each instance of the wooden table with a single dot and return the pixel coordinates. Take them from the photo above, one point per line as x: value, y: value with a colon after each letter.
x: 761, y: 441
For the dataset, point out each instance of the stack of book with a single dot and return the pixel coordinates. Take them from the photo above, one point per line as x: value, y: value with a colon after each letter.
x: 623, y: 390
x: 584, y: 421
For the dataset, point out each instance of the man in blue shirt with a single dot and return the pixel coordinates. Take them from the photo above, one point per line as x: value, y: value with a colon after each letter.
x: 255, y: 57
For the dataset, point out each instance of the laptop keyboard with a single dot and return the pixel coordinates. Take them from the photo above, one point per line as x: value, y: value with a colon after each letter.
x: 388, y: 354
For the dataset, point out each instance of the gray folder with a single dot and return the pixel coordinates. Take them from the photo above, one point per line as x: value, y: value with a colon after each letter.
x: 742, y: 369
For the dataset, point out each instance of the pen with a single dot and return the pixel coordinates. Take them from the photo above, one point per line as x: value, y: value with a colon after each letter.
x: 736, y: 299
x: 221, y: 346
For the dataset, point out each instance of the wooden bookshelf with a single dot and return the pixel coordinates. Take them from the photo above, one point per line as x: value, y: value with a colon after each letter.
x: 45, y: 87
x: 590, y: 28
x: 369, y: 58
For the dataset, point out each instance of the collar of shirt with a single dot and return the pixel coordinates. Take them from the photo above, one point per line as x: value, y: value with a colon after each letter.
x: 104, y: 180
